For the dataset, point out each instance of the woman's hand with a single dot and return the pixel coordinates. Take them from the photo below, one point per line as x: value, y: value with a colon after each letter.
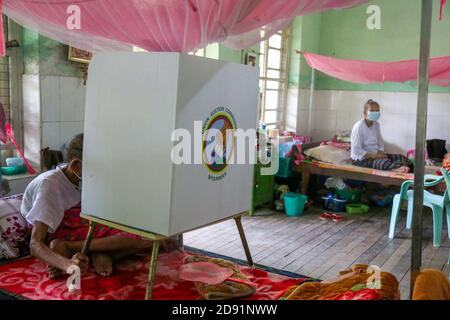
x: 381, y: 155
x: 375, y: 156
x: 81, y: 261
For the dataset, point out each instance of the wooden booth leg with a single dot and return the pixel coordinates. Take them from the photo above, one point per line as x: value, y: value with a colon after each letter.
x: 152, y: 269
x: 90, y: 235
x: 238, y: 221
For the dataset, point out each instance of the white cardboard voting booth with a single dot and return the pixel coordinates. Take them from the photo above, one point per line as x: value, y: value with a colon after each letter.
x: 134, y: 102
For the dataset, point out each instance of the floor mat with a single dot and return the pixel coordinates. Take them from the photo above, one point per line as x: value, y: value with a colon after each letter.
x: 27, y: 279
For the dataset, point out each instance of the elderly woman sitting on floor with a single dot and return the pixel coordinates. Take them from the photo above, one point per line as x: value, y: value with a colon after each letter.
x: 51, y: 206
x: 367, y: 145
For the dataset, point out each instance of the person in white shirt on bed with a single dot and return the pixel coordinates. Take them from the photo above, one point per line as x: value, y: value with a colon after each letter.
x: 51, y: 206
x: 367, y: 145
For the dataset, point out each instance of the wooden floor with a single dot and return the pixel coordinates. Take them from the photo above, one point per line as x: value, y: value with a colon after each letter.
x: 320, y: 249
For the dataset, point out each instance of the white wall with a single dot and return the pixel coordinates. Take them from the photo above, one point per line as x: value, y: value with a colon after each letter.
x: 53, y: 108
x: 297, y: 111
x: 31, y: 118
x: 62, y: 109
x: 335, y: 110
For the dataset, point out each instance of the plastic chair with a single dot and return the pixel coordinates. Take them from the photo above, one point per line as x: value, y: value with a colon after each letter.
x: 446, y: 175
x: 436, y: 202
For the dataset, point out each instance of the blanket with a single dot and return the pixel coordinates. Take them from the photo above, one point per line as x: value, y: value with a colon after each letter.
x: 357, y: 283
x: 27, y: 278
x: 431, y: 284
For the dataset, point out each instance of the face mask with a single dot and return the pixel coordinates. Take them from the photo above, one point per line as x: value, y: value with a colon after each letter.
x: 79, y: 182
x: 373, y: 115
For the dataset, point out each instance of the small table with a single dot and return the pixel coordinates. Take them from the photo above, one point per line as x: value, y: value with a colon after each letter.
x: 157, y: 239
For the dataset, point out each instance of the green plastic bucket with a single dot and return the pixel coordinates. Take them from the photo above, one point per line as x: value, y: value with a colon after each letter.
x: 294, y: 204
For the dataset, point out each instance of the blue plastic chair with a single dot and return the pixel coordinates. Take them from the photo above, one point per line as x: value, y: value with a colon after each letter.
x: 436, y: 202
x: 446, y: 175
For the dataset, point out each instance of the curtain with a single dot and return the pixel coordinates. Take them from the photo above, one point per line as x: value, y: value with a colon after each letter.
x: 361, y: 71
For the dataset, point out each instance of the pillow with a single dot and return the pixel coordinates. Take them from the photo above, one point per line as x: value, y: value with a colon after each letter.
x: 329, y: 154
x: 14, y: 231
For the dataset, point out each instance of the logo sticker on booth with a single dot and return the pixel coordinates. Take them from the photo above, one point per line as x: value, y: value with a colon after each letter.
x: 218, y: 142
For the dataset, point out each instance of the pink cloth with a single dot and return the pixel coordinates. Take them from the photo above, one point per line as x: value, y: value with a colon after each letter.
x: 339, y: 145
x: 296, y: 154
x: 3, y: 133
x: 361, y: 71
x: 10, y: 134
x: 162, y: 25
x: 205, y: 272
x: 441, y: 11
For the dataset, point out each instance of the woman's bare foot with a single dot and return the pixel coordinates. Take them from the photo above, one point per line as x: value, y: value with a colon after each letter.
x: 402, y: 169
x: 103, y: 264
x: 59, y: 247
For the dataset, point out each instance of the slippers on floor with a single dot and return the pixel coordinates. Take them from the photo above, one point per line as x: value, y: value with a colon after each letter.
x: 337, y: 217
x: 326, y: 216
x: 331, y: 216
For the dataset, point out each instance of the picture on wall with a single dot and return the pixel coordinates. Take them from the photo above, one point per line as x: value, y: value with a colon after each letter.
x: 250, y: 59
x: 78, y: 55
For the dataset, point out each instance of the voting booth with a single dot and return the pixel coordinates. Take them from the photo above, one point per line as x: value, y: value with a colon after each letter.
x: 138, y: 105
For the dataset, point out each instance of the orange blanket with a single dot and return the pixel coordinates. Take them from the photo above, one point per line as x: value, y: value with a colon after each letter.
x: 354, y: 284
x: 431, y: 284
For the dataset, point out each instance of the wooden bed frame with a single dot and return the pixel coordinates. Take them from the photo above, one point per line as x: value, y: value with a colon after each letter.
x: 308, y: 168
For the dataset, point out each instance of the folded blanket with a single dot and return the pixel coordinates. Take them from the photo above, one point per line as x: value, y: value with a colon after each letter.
x: 238, y: 287
x: 431, y: 284
x: 353, y: 284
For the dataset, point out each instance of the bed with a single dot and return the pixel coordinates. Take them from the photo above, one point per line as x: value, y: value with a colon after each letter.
x: 348, y: 171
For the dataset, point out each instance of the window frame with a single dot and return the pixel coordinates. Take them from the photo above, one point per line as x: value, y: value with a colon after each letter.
x: 282, y: 80
x: 12, y: 31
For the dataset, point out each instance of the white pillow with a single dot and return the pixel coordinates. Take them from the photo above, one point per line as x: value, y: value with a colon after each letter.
x: 329, y: 154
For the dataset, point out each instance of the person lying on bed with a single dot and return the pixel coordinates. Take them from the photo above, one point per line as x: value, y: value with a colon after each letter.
x: 51, y: 205
x: 367, y: 146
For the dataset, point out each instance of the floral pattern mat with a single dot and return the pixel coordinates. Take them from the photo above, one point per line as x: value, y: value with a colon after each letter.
x: 27, y: 279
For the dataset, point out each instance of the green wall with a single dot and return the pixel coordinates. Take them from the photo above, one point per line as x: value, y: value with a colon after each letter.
x: 30, y: 51
x: 45, y: 56
x: 305, y: 36
x: 344, y: 34
x: 219, y: 51
x: 212, y: 51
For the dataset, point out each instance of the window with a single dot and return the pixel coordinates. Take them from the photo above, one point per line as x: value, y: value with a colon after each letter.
x: 199, y: 52
x: 273, y: 77
x: 137, y: 49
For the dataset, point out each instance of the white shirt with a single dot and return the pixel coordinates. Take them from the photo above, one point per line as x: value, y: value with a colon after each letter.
x: 365, y: 139
x: 47, y: 197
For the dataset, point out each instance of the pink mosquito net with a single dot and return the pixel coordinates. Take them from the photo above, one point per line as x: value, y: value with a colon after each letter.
x: 185, y: 25
x: 161, y: 25
x: 360, y: 71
